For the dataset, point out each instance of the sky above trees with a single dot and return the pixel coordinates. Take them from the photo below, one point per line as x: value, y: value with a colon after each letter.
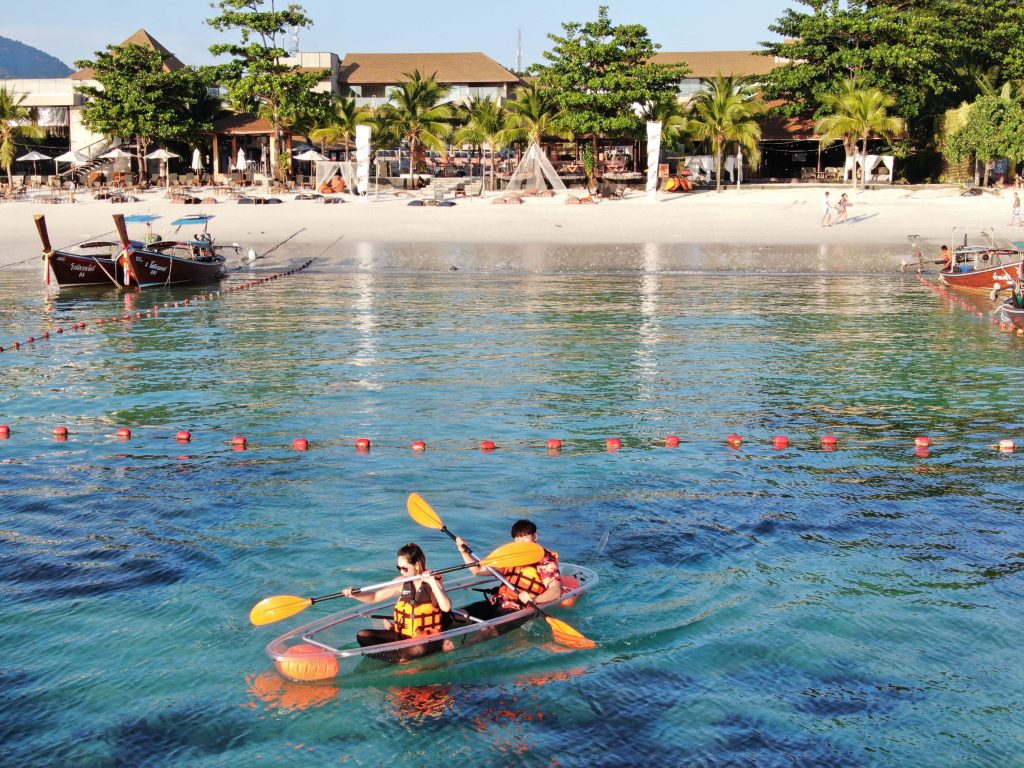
x: 70, y: 30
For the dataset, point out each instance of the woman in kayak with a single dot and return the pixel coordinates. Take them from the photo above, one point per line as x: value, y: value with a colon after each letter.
x: 422, y: 609
x: 537, y: 583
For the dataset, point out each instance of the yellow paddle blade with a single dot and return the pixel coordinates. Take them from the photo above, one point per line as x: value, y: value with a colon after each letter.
x: 272, y: 609
x: 422, y: 512
x: 567, y: 635
x: 514, y: 555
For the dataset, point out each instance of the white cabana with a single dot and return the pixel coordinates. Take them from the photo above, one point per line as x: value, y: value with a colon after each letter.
x: 868, y: 165
x: 326, y: 169
x: 701, y: 164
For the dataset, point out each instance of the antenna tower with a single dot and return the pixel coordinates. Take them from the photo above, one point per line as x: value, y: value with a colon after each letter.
x: 519, y: 51
x: 295, y: 41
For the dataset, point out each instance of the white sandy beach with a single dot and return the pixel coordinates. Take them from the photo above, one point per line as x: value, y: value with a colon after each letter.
x: 734, y: 224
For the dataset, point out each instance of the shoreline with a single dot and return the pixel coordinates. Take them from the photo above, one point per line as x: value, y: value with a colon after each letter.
x: 775, y: 229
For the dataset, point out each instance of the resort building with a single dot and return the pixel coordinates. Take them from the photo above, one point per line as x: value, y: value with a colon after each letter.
x: 370, y: 77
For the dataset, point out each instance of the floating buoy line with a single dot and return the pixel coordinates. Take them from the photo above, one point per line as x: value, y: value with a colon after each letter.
x: 154, y: 311
x: 554, y: 446
x: 946, y: 293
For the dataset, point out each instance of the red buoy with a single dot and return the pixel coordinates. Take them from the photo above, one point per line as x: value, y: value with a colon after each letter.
x: 613, y: 443
x: 554, y: 444
x: 125, y: 433
x: 1007, y: 446
x: 672, y: 441
x: 487, y: 445
x: 17, y: 345
x: 829, y: 440
x: 923, y: 441
x: 419, y: 445
x: 183, y: 436
x: 300, y: 444
x: 363, y: 444
x: 734, y: 440
x: 59, y: 329
x: 780, y: 441
x: 238, y: 440
x: 31, y: 339
x: 60, y: 431
x: 4, y: 430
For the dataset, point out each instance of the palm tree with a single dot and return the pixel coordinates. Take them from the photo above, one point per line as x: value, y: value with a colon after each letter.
x: 16, y: 121
x: 484, y: 125
x: 339, y: 124
x: 726, y: 113
x: 531, y: 116
x: 418, y: 114
x: 858, y: 113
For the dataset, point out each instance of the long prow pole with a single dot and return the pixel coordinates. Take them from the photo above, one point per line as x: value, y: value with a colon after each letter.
x: 47, y: 248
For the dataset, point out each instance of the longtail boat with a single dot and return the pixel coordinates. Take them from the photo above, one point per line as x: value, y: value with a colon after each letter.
x: 152, y: 263
x: 982, y: 267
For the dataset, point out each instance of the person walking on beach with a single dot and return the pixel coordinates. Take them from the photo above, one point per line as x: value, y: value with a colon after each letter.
x: 841, y: 213
x: 826, y: 215
x: 1015, y: 211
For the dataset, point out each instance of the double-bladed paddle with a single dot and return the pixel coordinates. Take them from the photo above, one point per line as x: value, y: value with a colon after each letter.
x: 423, y: 513
x: 279, y: 607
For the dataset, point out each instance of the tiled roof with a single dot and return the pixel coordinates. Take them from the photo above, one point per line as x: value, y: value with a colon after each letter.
x: 390, y: 68
x: 707, y: 64
x: 146, y: 40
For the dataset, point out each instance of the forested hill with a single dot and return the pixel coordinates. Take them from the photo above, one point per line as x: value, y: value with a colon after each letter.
x: 18, y: 60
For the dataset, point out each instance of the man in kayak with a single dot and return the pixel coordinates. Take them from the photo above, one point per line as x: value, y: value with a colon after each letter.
x: 422, y: 609
x: 537, y: 583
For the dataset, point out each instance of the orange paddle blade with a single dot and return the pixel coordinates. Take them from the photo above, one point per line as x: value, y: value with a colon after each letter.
x: 514, y: 555
x: 567, y: 635
x: 422, y: 512
x: 272, y: 609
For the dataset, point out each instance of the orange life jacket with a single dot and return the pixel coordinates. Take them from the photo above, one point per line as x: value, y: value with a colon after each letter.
x: 416, y: 612
x: 524, y: 579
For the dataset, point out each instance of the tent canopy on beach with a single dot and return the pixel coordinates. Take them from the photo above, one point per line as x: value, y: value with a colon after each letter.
x: 534, y: 173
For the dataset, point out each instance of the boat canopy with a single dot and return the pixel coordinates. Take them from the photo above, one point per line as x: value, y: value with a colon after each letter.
x: 198, y: 218
x: 140, y: 218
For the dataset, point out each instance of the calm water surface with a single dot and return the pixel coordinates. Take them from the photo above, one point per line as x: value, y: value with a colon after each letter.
x: 855, y: 607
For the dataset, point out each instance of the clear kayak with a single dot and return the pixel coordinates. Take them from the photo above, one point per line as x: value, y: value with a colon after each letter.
x: 327, y: 648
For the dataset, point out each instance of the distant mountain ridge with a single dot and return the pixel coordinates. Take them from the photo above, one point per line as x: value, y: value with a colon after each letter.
x: 18, y: 60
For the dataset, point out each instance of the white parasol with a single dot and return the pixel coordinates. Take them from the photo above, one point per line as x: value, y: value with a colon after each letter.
x: 35, y: 157
x: 240, y: 162
x: 164, y: 155
x: 71, y: 156
x: 312, y: 156
x: 197, y: 160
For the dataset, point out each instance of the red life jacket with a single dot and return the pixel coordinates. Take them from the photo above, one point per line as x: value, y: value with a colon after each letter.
x: 417, y: 612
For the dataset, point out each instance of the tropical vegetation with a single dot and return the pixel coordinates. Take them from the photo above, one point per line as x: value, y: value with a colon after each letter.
x: 419, y: 114
x: 17, y: 122
x: 725, y: 114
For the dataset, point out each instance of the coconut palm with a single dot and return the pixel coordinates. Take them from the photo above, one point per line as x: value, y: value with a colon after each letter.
x: 531, y: 117
x: 338, y: 126
x: 484, y: 124
x: 417, y: 113
x: 858, y: 113
x: 16, y: 122
x: 726, y: 113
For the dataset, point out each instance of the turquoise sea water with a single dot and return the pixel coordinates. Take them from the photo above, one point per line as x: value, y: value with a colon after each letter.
x: 854, y: 607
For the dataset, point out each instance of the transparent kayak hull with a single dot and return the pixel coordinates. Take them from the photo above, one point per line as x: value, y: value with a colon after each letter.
x: 326, y: 649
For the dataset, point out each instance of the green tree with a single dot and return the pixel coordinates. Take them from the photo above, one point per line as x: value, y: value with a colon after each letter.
x: 858, y: 113
x: 725, y: 113
x: 16, y: 122
x: 418, y: 114
x: 338, y: 125
x: 994, y: 128
x: 533, y: 115
x: 600, y: 74
x: 257, y: 80
x: 484, y: 125
x: 139, y: 98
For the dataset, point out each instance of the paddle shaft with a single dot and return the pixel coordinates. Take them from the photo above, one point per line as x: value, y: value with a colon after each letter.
x: 496, y: 574
x: 392, y: 583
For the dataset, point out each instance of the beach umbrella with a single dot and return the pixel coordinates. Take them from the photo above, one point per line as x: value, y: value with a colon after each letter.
x: 35, y: 157
x: 312, y: 156
x: 197, y: 160
x: 118, y: 154
x: 71, y: 156
x: 240, y: 161
x: 164, y: 155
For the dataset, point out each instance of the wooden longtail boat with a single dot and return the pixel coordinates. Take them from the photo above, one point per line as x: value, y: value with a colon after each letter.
x: 982, y: 267
x: 133, y: 263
